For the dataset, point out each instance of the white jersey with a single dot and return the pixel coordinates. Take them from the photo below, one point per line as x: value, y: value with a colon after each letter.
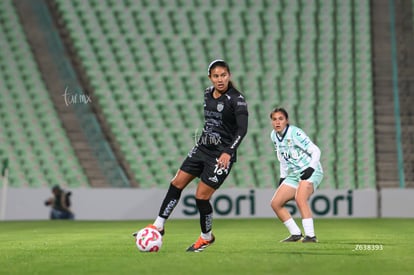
x: 295, y: 151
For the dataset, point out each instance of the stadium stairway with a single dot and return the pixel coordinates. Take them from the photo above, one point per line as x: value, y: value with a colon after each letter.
x: 95, y: 157
x: 31, y: 136
x: 406, y: 86
x: 385, y: 129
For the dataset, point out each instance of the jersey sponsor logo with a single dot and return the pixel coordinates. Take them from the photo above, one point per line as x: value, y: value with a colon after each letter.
x: 291, y: 153
x: 285, y: 155
x: 213, y: 115
x: 241, y: 103
x: 294, y: 154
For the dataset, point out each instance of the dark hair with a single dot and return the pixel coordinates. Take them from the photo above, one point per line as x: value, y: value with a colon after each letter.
x: 220, y: 63
x: 282, y: 110
x: 56, y: 188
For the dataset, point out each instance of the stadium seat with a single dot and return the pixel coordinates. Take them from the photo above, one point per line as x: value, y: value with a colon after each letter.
x: 149, y: 72
x: 31, y: 130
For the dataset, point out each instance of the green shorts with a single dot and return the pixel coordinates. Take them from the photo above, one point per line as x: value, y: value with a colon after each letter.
x: 293, y: 178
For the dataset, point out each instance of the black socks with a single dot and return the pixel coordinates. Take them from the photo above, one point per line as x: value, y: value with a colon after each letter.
x: 204, y: 207
x: 206, y: 215
x: 170, y: 201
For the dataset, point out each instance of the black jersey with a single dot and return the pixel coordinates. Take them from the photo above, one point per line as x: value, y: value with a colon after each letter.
x: 226, y: 120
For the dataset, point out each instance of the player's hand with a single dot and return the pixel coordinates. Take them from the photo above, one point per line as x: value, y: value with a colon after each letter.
x: 223, y: 161
x: 307, y: 173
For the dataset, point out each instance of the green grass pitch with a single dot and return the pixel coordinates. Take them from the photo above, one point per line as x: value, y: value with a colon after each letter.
x: 243, y: 246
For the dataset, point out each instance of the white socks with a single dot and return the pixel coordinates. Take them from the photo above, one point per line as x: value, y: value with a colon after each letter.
x: 308, y: 227
x: 159, y: 223
x: 295, y: 230
x: 206, y: 236
x: 292, y: 227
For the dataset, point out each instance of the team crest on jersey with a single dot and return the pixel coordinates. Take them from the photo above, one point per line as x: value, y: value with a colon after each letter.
x: 220, y: 106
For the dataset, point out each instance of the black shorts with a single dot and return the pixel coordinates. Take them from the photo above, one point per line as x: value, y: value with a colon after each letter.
x: 205, y: 166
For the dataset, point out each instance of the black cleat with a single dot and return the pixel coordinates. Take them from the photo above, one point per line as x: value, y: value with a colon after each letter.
x: 292, y: 238
x: 308, y: 239
x: 201, y: 244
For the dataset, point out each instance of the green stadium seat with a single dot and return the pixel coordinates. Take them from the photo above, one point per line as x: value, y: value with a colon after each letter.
x: 296, y: 54
x: 28, y: 117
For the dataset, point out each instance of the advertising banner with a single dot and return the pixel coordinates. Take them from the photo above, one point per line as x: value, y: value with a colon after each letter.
x: 139, y: 204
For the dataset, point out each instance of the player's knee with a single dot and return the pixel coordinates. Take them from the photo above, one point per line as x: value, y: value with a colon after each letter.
x: 276, y: 205
x: 181, y: 179
x: 179, y: 183
x: 301, y: 202
x: 203, y: 195
x: 305, y: 186
x: 176, y: 184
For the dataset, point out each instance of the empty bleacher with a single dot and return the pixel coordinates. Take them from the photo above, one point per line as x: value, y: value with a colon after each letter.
x: 146, y: 61
x: 31, y: 136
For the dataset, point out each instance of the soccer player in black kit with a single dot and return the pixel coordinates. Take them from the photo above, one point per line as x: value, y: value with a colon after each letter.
x: 211, y: 159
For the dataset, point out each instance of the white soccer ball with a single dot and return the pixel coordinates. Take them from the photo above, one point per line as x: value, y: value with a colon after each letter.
x: 149, y: 240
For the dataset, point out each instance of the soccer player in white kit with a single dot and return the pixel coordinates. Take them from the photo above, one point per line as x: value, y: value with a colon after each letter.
x: 300, y: 174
